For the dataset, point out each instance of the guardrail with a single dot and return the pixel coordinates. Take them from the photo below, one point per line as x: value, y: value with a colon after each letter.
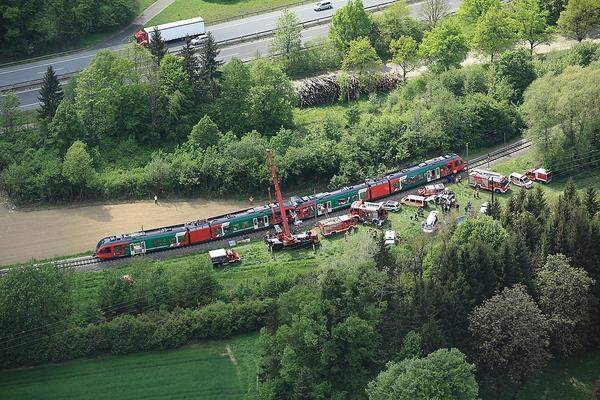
x: 240, y: 39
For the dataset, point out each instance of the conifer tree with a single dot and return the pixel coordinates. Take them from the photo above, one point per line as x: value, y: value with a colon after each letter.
x: 191, y: 64
x: 209, y: 66
x: 51, y: 94
x: 591, y: 201
x: 157, y: 46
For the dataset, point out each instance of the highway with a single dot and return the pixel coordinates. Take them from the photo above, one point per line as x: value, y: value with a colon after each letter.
x: 73, y: 63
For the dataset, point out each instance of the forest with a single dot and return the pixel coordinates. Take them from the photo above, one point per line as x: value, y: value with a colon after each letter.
x: 143, y: 122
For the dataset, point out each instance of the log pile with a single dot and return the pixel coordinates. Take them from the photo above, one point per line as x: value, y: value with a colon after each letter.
x: 325, y: 89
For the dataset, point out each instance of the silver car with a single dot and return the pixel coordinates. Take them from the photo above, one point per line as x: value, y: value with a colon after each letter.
x: 323, y: 5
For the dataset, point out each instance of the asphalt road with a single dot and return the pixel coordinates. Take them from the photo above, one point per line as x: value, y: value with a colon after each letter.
x: 229, y: 30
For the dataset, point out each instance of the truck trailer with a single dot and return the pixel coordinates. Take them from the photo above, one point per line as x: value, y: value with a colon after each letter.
x: 172, y: 31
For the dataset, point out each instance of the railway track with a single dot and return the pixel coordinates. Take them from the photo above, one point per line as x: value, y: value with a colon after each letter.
x: 91, y: 263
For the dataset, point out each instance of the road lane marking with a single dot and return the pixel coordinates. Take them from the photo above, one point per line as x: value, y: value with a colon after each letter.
x: 55, y: 69
x: 46, y: 65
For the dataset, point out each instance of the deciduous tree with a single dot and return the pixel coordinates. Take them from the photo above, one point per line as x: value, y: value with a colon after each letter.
x: 494, y: 32
x: 234, y: 101
x: 445, y: 46
x: 78, y: 167
x: 405, y: 53
x: 510, y: 336
x: 579, y: 17
x: 288, y: 35
x: 9, y: 111
x: 531, y: 21
x: 470, y: 11
x: 564, y: 297
x: 443, y: 374
x: 349, y: 23
x: 433, y: 11
x: 204, y: 134
x: 361, y: 57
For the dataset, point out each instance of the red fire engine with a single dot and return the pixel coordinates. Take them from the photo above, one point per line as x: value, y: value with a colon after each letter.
x: 369, y: 213
x: 334, y: 225
x: 539, y: 174
x: 487, y: 180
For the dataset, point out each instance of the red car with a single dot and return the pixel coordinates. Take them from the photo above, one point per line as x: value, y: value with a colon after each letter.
x: 430, y: 190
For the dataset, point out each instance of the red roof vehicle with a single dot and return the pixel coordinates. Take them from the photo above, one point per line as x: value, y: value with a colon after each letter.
x: 334, y: 225
x: 430, y: 190
x: 539, y: 174
x: 487, y: 180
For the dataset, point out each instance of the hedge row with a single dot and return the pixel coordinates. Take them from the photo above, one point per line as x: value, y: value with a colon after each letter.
x: 153, y: 331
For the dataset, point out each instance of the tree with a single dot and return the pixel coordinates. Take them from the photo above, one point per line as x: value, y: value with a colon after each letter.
x: 192, y: 286
x: 553, y: 8
x: 591, y: 201
x: 443, y: 374
x: 51, y: 94
x: 78, y: 166
x: 579, y: 17
x: 157, y: 46
x: 564, y: 297
x: 444, y: 46
x: 9, y: 111
x: 433, y: 11
x: 35, y: 302
x: 470, y: 11
x: 531, y: 21
x: 494, y: 32
x: 510, y: 336
x: 288, y: 35
x: 405, y: 54
x: 191, y: 65
x: 515, y: 69
x: 349, y: 23
x: 361, y: 57
x: 271, y: 98
x: 395, y: 22
x: 204, y: 134
x: 65, y: 127
x: 209, y: 65
x: 233, y: 103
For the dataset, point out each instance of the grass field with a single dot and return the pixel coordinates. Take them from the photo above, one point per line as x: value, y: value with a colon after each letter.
x: 202, y: 371
x: 212, y: 10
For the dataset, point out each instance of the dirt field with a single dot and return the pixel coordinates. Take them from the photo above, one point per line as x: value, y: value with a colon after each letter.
x: 26, y: 235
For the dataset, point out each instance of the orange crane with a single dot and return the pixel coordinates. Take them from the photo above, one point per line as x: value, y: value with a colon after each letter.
x: 285, y: 239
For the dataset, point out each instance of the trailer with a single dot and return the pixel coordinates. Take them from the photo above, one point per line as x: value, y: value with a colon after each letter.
x: 193, y: 27
x: 541, y: 175
x: 487, y: 180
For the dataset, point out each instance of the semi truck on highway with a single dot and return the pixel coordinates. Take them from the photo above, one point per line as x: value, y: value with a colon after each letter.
x: 193, y: 27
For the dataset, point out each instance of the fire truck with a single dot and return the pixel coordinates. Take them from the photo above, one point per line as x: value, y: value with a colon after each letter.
x: 487, y: 180
x: 335, y: 225
x: 369, y: 213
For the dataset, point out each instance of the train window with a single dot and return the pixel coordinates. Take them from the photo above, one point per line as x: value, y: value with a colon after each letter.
x: 105, y: 250
x: 118, y: 249
x: 458, y: 163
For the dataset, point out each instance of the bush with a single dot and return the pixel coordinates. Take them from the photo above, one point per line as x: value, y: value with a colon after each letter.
x: 151, y: 331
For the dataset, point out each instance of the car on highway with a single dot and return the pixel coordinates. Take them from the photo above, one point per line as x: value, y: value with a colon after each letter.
x: 391, y: 205
x: 323, y: 5
x: 198, y: 40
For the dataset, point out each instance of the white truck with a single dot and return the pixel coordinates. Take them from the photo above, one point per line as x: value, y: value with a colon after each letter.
x: 193, y: 27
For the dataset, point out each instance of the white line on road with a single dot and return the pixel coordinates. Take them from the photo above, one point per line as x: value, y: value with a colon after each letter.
x: 29, y: 105
x: 46, y: 65
x: 55, y: 69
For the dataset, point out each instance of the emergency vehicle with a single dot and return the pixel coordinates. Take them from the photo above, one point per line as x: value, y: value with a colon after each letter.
x: 539, y: 175
x: 368, y: 212
x: 334, y: 225
x: 487, y: 180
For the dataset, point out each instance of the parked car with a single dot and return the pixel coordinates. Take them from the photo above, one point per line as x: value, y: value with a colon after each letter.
x: 413, y: 201
x: 391, y: 205
x: 520, y: 180
x: 484, y: 207
x: 323, y: 5
x: 431, y: 223
x: 390, y: 238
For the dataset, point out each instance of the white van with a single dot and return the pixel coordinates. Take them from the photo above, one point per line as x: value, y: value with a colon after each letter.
x: 430, y: 224
x: 520, y: 180
x: 413, y: 201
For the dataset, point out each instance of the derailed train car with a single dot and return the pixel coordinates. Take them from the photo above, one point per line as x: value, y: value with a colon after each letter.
x: 264, y: 217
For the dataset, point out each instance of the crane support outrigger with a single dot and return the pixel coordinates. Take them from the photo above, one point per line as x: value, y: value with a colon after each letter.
x: 284, y: 238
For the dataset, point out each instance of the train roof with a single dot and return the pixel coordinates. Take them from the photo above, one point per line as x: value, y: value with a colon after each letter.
x: 430, y: 162
x: 144, y: 233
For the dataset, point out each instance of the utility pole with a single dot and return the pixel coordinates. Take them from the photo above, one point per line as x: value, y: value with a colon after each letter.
x: 467, y: 166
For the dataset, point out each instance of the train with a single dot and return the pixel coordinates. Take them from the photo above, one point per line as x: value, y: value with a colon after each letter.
x: 297, y: 208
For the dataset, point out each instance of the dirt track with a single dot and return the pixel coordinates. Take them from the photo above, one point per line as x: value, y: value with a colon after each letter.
x: 26, y: 235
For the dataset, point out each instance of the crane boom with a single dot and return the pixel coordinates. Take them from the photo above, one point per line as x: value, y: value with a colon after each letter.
x: 286, y: 227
